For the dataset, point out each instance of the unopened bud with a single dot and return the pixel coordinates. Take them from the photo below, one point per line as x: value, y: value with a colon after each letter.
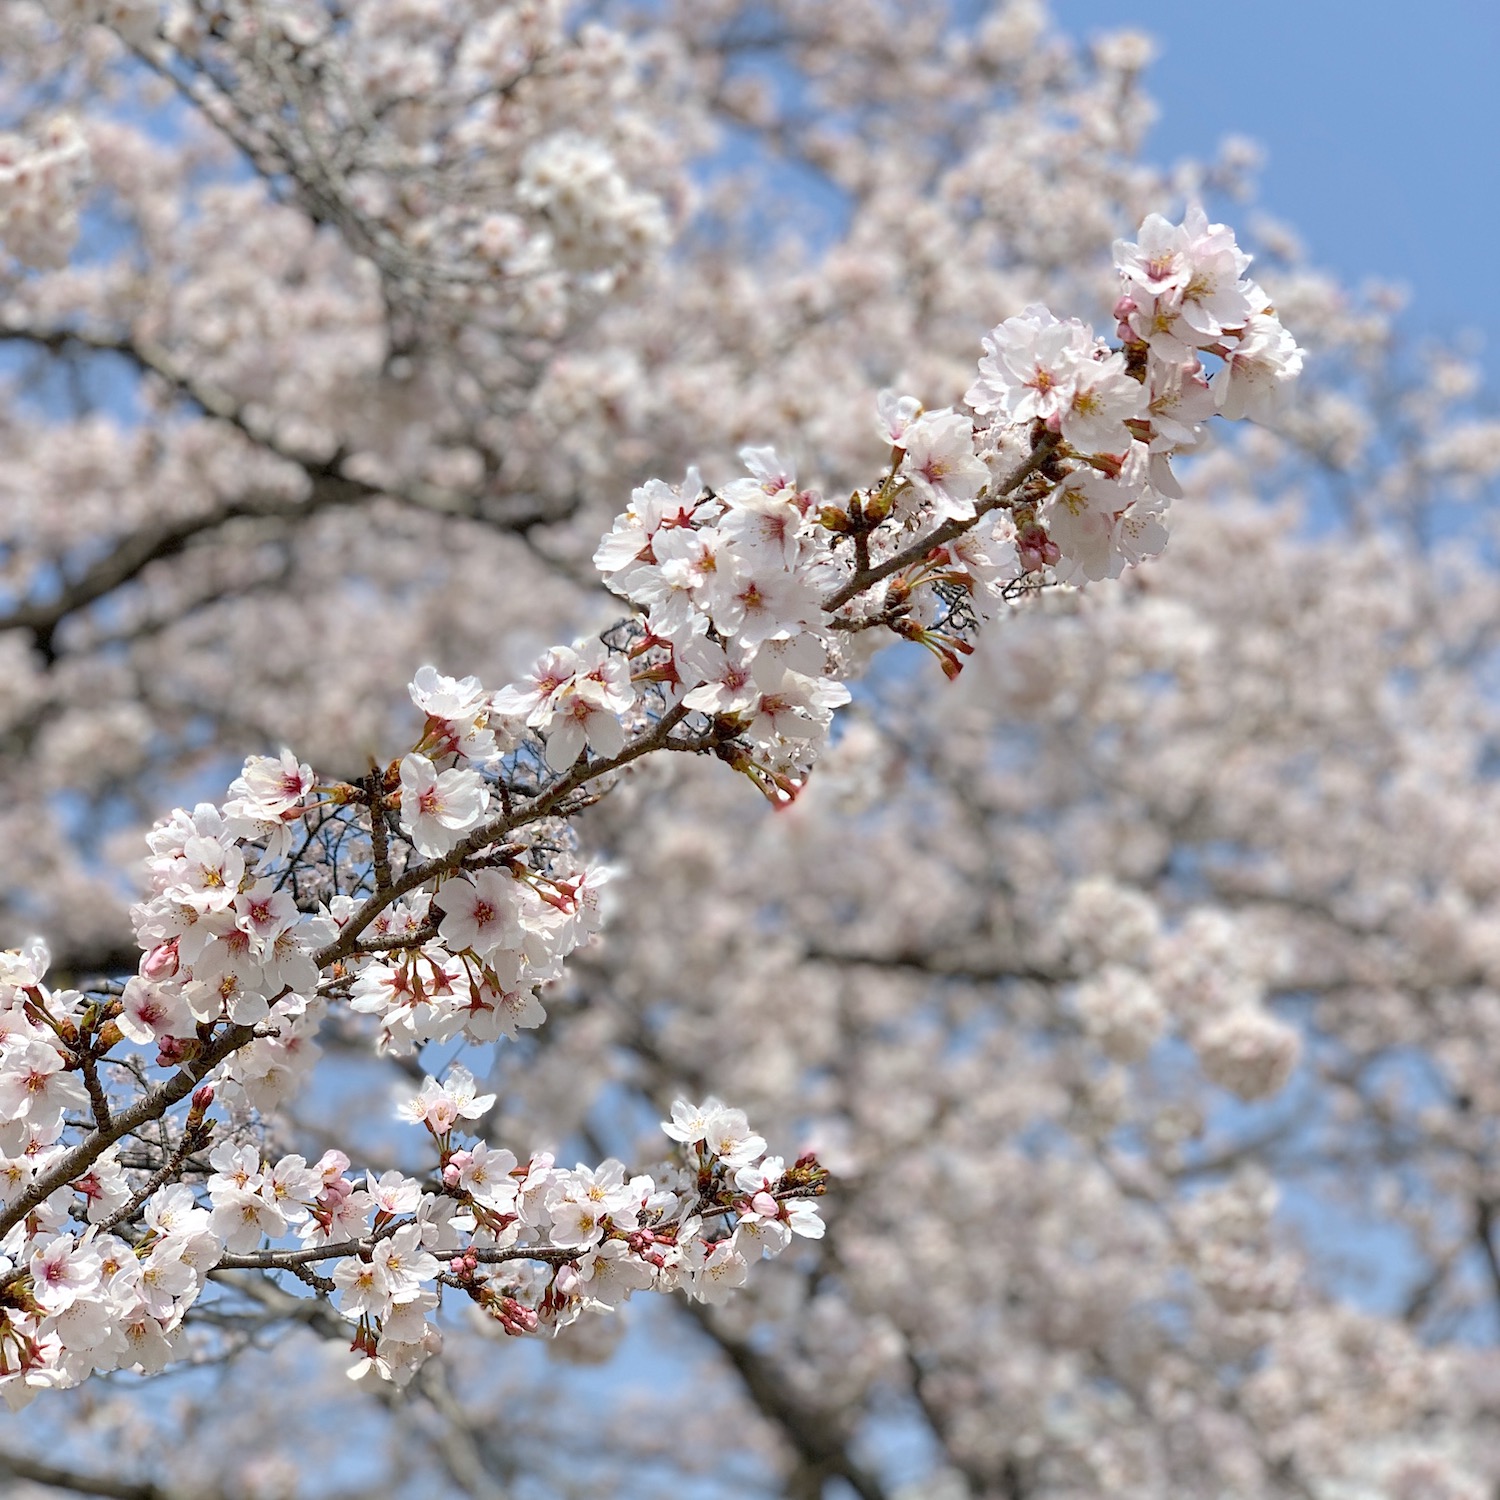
x: 515, y: 1317
x: 172, y: 1050
x: 162, y: 962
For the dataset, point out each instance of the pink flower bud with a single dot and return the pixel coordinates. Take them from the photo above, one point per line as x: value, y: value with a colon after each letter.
x: 515, y: 1317
x: 161, y: 962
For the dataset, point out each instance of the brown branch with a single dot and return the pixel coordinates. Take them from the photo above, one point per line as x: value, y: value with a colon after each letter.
x: 152, y: 1106
x: 193, y: 1140
x: 543, y: 805
x: 292, y: 1260
x: 20, y: 1466
x: 331, y: 485
x: 379, y: 843
x: 912, y: 961
x: 814, y: 1434
x: 1484, y: 1221
x: 949, y: 531
x: 88, y: 1065
x: 133, y: 553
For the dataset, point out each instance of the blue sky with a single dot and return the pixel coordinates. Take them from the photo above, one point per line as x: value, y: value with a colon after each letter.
x: 1381, y: 123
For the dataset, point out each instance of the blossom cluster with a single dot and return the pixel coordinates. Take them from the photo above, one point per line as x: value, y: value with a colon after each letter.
x: 498, y: 159
x: 442, y: 892
x: 76, y: 1297
x: 40, y: 182
x: 1205, y: 975
x: 1124, y: 412
x: 748, y: 596
x: 411, y: 255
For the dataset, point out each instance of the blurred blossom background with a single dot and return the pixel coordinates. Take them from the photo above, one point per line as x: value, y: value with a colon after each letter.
x: 1141, y: 989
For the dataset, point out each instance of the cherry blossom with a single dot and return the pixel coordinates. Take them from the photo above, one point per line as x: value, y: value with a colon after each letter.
x: 1117, y: 960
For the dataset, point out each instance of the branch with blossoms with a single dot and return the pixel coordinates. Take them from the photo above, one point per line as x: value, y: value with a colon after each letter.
x: 440, y: 896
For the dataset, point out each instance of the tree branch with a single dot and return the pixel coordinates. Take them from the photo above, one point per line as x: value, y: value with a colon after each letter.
x: 331, y: 486
x: 151, y: 1106
x: 813, y: 1434
x: 20, y: 1466
x: 949, y: 531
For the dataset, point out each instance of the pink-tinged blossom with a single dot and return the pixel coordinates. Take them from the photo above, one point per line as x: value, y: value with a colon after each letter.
x: 760, y: 1231
x: 759, y: 600
x: 341, y: 1212
x: 174, y: 1213
x: 361, y: 1288
x: 404, y: 1265
x: 768, y: 509
x: 942, y: 465
x: 1184, y: 284
x: 719, y: 679
x: 479, y: 912
x: 1259, y: 371
x: 25, y: 967
x: 104, y: 1187
x: 148, y: 1347
x: 264, y: 912
x: 576, y: 1224
x: 535, y: 698
x: 505, y: 1012
x: 586, y: 711
x: 440, y: 1106
x: 1028, y: 368
x: 166, y: 1277
x: 896, y: 414
x: 802, y: 1217
x: 234, y: 1167
x: 1140, y: 532
x: 35, y: 1084
x: 207, y: 875
x: 393, y: 1193
x: 792, y: 706
x: 1080, y: 518
x: 242, y: 1218
x: 291, y: 1185
x: 717, y: 1271
x: 1102, y: 399
x: 580, y: 1202
x: 691, y: 1123
x: 439, y: 807
x: 63, y: 1270
x: 609, y: 1273
x: 458, y: 712
x: 267, y: 799
x: 728, y: 1136
x: 654, y: 506
x: 484, y: 1173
